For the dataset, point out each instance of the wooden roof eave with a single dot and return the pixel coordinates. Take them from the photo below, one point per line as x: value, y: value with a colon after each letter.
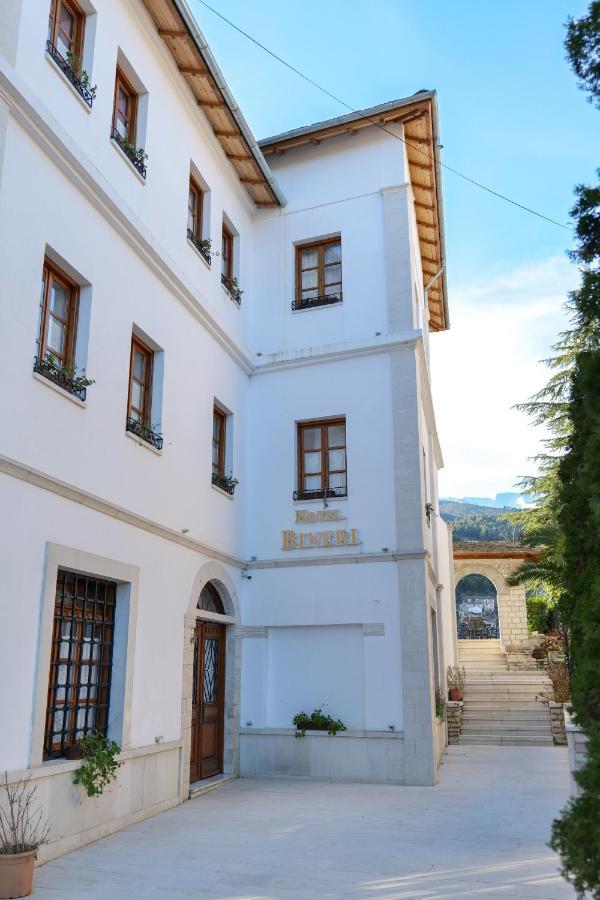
x: 178, y: 29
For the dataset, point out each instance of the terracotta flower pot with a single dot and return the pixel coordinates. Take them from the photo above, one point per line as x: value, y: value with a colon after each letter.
x: 456, y: 694
x: 16, y: 874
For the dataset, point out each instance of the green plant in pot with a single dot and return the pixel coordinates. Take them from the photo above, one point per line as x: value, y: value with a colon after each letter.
x: 22, y: 830
x: 317, y: 721
x: 455, y: 676
x: 100, y: 764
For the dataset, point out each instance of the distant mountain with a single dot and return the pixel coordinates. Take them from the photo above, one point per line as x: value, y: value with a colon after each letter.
x: 500, y: 501
x: 473, y: 522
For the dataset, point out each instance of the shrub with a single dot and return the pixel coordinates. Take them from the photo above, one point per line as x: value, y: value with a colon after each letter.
x: 317, y: 721
x: 537, y: 614
x: 440, y: 705
x: 456, y: 676
x: 22, y: 826
x: 100, y: 763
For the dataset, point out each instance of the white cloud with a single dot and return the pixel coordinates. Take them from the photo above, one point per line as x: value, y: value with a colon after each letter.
x: 502, y: 326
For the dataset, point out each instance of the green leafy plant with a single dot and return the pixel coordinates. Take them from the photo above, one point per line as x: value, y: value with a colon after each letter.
x: 76, y: 382
x: 22, y: 826
x: 456, y: 676
x: 317, y: 721
x: 537, y: 614
x: 440, y: 705
x: 83, y: 76
x: 233, y: 287
x: 100, y: 764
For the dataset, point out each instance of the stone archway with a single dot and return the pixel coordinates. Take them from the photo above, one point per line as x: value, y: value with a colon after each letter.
x: 476, y: 602
x: 496, y: 561
x: 221, y: 582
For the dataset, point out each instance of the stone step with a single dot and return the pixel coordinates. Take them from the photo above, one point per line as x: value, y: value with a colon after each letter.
x: 507, y: 740
x: 520, y: 728
x: 516, y: 697
x: 506, y: 715
x: 501, y: 705
x: 481, y: 668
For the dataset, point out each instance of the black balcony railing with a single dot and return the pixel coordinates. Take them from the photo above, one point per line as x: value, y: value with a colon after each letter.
x: 321, y: 494
x: 232, y: 288
x: 65, y: 378
x: 135, y: 155
x: 224, y: 482
x: 145, y: 433
x: 310, y: 302
x: 80, y: 83
x: 201, y: 245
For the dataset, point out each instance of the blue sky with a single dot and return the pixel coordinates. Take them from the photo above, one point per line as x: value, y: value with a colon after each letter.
x: 511, y: 117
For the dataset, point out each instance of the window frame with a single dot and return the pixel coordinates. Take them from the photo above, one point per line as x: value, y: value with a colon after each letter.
x: 52, y: 273
x: 220, y: 443
x: 122, y: 80
x: 325, y: 491
x: 227, y: 258
x: 53, y: 26
x: 101, y: 614
x: 320, y: 246
x: 140, y: 346
x: 196, y: 190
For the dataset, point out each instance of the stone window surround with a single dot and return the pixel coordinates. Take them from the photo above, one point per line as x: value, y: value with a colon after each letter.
x: 127, y: 578
x: 218, y: 575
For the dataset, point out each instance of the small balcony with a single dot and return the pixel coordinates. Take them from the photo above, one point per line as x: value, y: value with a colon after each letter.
x: 145, y: 433
x: 136, y: 155
x: 79, y: 79
x: 321, y: 494
x: 202, y: 245
x: 63, y: 376
x: 232, y: 288
x: 224, y: 483
x: 313, y: 302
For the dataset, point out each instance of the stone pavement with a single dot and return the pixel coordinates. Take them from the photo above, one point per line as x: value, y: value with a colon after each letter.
x: 482, y: 831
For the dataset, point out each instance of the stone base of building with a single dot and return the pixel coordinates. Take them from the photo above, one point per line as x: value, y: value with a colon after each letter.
x: 454, y: 713
x: 147, y: 784
x: 359, y: 756
x: 557, y: 722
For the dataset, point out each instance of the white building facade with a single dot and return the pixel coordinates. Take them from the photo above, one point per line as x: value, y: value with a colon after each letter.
x: 218, y: 466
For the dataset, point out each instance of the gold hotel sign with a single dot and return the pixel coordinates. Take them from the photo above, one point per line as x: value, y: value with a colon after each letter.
x: 333, y: 537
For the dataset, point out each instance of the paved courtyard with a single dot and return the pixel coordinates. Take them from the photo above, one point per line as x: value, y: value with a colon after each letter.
x: 482, y: 831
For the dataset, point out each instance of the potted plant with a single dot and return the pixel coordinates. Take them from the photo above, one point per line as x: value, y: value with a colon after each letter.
x: 455, y: 676
x: 440, y: 706
x: 22, y: 830
x: 317, y: 721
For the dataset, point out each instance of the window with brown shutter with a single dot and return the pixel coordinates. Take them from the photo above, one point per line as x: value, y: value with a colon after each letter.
x: 124, y: 109
x: 140, y: 382
x: 226, y: 255
x: 321, y: 459
x: 66, y: 26
x: 59, y: 299
x: 195, y: 199
x: 318, y: 274
x: 218, y: 441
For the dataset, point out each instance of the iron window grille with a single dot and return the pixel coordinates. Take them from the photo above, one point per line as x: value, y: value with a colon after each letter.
x: 67, y: 69
x: 132, y: 153
x: 224, y: 482
x: 81, y: 661
x: 57, y: 375
x: 145, y: 432
x: 321, y: 494
x: 310, y: 302
x: 232, y: 288
x: 200, y: 244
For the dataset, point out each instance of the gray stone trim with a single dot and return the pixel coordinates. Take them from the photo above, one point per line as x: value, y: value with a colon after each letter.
x: 254, y: 631
x: 341, y: 559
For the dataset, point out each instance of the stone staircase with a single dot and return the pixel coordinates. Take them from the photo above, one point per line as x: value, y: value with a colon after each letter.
x: 500, y: 706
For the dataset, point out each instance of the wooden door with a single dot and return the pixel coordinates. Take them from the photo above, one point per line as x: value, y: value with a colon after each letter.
x: 208, y: 700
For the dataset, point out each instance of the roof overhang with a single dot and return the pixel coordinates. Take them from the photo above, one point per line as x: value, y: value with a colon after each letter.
x: 419, y: 118
x: 178, y: 29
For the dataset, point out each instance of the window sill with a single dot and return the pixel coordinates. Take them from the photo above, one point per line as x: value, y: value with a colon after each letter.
x: 128, y: 162
x: 64, y: 78
x: 82, y: 404
x: 306, y: 309
x: 197, y: 252
x: 328, y: 500
x: 222, y: 492
x: 141, y: 443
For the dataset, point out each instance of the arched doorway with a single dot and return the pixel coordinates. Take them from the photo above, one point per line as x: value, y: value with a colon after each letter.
x: 213, y: 614
x: 477, y: 608
x: 208, y: 687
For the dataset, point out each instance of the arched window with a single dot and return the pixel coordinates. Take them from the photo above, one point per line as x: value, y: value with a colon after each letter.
x: 210, y: 600
x: 476, y: 608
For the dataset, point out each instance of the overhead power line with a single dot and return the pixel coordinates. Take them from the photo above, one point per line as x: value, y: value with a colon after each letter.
x: 379, y: 125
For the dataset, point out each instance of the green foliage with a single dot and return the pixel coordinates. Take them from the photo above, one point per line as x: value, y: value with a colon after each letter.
x: 440, y: 705
x: 83, y: 76
x: 77, y: 381
x: 537, y: 614
x: 475, y: 585
x: 456, y: 677
x: 583, y: 50
x: 100, y: 765
x: 478, y: 527
x: 317, y: 721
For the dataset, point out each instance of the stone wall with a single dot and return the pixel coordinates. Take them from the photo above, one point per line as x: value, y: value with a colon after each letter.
x: 512, y: 609
x: 454, y: 713
x: 557, y: 722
